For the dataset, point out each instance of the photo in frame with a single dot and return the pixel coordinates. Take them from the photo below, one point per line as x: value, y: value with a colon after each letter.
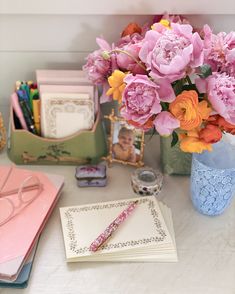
x: 126, y: 143
x: 2, y: 133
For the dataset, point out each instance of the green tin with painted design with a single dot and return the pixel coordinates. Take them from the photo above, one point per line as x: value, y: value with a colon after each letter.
x: 173, y: 160
x: 81, y: 148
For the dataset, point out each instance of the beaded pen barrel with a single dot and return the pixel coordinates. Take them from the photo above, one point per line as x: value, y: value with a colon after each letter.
x: 108, y: 232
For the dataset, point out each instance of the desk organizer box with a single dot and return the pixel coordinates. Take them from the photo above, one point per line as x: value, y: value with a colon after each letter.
x: 81, y: 148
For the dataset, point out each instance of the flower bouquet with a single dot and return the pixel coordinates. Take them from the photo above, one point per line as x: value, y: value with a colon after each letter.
x: 171, y: 78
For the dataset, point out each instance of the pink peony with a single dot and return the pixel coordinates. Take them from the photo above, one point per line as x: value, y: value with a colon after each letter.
x: 98, y: 68
x: 220, y: 89
x: 165, y: 123
x: 169, y: 53
x: 127, y: 61
x: 141, y: 99
x: 219, y: 50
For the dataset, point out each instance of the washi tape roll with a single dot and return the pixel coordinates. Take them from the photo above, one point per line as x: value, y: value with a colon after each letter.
x: 146, y: 181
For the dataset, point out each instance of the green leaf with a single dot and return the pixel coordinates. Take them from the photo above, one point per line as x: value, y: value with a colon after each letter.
x: 165, y: 106
x: 66, y: 152
x: 175, y: 139
x: 205, y: 71
x: 178, y: 87
x: 190, y: 87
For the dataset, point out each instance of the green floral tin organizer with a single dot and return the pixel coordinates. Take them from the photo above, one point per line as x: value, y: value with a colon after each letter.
x: 173, y: 160
x: 81, y: 148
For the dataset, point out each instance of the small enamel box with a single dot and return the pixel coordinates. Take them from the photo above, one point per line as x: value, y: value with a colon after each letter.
x: 91, y: 175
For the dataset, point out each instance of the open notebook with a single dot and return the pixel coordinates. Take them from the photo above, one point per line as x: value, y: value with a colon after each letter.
x: 147, y: 234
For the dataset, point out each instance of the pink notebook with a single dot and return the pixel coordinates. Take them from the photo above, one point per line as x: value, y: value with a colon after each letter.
x: 19, y: 235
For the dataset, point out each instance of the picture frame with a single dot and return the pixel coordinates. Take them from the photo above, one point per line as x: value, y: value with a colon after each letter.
x: 2, y: 133
x: 126, y: 143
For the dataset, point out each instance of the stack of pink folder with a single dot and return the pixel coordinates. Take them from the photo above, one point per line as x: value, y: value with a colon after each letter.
x: 19, y: 235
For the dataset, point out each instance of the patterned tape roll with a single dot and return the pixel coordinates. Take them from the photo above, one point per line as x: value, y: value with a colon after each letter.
x: 146, y: 181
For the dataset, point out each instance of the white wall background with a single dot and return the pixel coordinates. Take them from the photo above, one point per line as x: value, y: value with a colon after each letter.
x: 59, y: 34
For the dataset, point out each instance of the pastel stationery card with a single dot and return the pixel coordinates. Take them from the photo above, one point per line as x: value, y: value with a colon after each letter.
x: 19, y: 234
x: 147, y: 234
x: 77, y: 89
x: 77, y: 110
x: 61, y: 77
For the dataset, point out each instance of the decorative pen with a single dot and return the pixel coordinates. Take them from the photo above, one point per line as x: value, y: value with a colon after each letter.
x: 103, y: 237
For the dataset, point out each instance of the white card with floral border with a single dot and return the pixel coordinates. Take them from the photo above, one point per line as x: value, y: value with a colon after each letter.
x: 147, y: 235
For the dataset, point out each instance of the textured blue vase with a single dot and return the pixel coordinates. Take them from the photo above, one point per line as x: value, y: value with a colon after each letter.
x: 213, y: 179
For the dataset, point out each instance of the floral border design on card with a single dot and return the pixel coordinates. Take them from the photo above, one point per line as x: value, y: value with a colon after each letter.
x: 55, y: 105
x: 73, y: 244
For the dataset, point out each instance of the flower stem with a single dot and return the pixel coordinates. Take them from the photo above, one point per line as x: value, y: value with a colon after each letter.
x: 130, y: 55
x: 188, y: 80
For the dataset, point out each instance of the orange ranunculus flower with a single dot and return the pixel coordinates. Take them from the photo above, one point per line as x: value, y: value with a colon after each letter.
x: 187, y: 109
x: 219, y: 121
x: 146, y: 126
x: 131, y: 28
x: 194, y: 145
x: 226, y: 126
x: 210, y: 134
x: 117, y: 85
x: 191, y: 143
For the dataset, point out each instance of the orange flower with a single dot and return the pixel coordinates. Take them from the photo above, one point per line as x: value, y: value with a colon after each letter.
x: 190, y: 142
x: 226, y: 126
x: 117, y: 85
x: 146, y: 126
x: 219, y: 121
x: 131, y: 28
x: 187, y: 109
x: 210, y: 134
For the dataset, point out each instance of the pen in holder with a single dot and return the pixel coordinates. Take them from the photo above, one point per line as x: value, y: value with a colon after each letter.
x: 2, y: 133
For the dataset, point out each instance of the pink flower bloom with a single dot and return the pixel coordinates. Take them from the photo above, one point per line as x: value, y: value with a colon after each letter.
x: 98, y: 68
x: 141, y: 99
x: 169, y: 53
x: 131, y: 45
x: 165, y: 123
x: 220, y: 88
x: 219, y: 50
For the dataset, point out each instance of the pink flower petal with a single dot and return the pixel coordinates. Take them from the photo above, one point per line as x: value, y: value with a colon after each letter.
x: 104, y: 45
x: 165, y: 123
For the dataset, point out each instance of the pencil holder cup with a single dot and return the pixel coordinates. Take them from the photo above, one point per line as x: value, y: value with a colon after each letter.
x: 81, y: 148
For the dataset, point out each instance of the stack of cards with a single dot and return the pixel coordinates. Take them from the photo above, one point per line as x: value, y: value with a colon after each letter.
x: 146, y: 235
x: 66, y: 96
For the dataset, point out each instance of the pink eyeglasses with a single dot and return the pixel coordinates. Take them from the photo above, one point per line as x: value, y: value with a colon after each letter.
x: 12, y: 202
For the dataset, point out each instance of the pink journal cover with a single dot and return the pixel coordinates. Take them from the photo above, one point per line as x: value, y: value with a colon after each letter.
x: 18, y: 236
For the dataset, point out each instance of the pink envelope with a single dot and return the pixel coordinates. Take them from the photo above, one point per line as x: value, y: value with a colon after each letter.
x: 18, y: 235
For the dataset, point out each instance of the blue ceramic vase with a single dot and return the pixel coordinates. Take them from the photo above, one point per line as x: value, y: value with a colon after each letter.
x: 213, y: 179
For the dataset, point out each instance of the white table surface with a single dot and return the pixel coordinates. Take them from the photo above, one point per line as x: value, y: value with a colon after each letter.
x: 206, y: 245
